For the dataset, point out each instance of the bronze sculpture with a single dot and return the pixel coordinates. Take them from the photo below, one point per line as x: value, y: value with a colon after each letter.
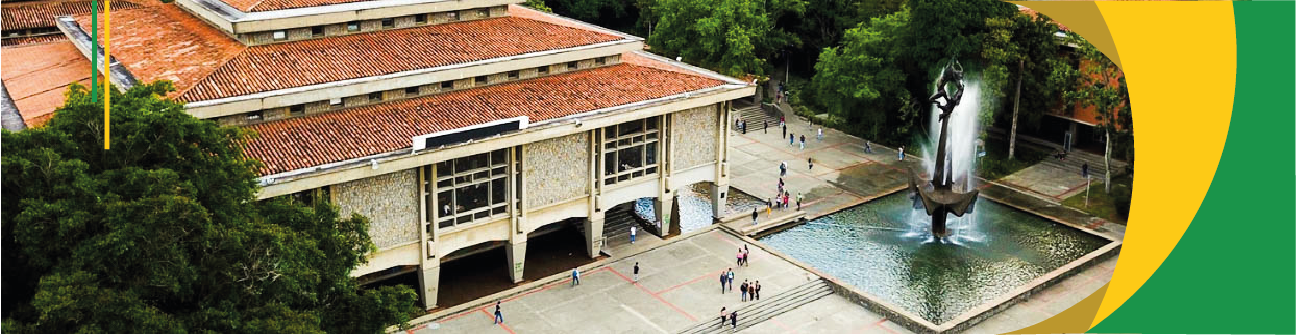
x: 937, y: 195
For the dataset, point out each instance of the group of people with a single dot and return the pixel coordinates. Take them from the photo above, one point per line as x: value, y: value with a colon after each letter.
x: 750, y: 290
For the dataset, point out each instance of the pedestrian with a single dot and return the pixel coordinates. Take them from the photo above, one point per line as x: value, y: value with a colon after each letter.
x: 784, y: 125
x: 746, y: 258
x: 744, y: 127
x: 820, y: 134
x: 1084, y: 170
x: 632, y: 234
x: 802, y: 142
x: 499, y: 318
x: 792, y: 139
x: 754, y: 216
x: 868, y: 149
x: 766, y: 127
x: 575, y: 277
x: 785, y: 199
x: 799, y: 199
x: 723, y: 314
x: 902, y: 153
x: 758, y: 287
x: 743, y: 288
x: 740, y: 257
x: 769, y: 207
x: 733, y: 319
x: 636, y: 272
x: 810, y: 160
x: 723, y: 278
x: 731, y: 278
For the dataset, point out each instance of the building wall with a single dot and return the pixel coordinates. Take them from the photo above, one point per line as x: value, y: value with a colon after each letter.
x: 390, y: 202
x: 556, y: 169
x: 693, y: 137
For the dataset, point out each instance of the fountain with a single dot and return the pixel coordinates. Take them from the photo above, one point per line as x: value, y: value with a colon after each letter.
x: 938, y: 195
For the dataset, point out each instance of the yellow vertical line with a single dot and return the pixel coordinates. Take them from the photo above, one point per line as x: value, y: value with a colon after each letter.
x: 107, y: 70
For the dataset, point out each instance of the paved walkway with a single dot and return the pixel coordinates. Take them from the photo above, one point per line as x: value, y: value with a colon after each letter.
x: 678, y: 281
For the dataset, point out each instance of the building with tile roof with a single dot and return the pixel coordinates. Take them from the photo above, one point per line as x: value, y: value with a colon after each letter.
x: 454, y: 126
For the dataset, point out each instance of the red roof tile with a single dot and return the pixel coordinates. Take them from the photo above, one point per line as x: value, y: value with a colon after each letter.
x: 363, y: 131
x: 17, y: 41
x: 41, y: 14
x: 268, y: 5
x: 163, y: 42
x: 38, y: 75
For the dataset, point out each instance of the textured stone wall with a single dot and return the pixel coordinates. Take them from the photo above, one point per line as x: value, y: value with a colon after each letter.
x: 694, y: 137
x: 556, y: 169
x: 390, y: 202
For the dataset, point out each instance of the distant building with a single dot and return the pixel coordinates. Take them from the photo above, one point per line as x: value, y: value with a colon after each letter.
x: 450, y: 124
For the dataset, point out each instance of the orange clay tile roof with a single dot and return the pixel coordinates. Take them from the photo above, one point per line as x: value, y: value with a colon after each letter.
x: 38, y: 75
x: 164, y: 42
x: 268, y: 5
x: 41, y: 14
x: 16, y: 41
x: 363, y: 131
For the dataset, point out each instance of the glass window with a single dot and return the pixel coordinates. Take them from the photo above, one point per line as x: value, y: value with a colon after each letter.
x: 543, y: 70
x: 445, y: 85
x: 375, y: 97
x: 353, y: 26
x: 297, y: 110
x: 452, y: 16
x: 513, y: 74
x: 411, y: 91
x: 499, y: 190
x: 279, y: 35
x: 317, y: 31
x: 479, y: 81
x: 420, y: 18
x: 388, y: 23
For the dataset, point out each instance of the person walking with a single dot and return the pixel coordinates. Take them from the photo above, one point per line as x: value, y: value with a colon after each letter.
x: 820, y: 134
x: 769, y: 207
x: 802, y: 142
x: 746, y: 258
x: 792, y: 139
x: 733, y: 319
x: 798, y: 200
x: 784, y: 125
x: 632, y: 234
x: 740, y: 257
x: 743, y: 288
x: 636, y: 272
x: 766, y: 127
x: 868, y: 148
x: 754, y: 214
x: 810, y: 160
x: 723, y: 316
x: 901, y: 153
x: 1084, y: 170
x: 731, y: 279
x: 723, y: 278
x: 758, y: 287
x: 575, y: 277
x: 499, y: 317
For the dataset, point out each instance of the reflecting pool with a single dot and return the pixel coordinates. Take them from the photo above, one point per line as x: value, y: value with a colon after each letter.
x: 882, y: 247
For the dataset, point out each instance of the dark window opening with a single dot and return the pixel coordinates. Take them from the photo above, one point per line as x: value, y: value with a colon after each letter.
x: 388, y: 23
x: 375, y: 97
x: 479, y: 81
x: 317, y: 31
x: 543, y: 70
x: 420, y: 18
x: 411, y: 91
x: 353, y: 26
x: 297, y: 110
x: 513, y: 74
x: 446, y: 85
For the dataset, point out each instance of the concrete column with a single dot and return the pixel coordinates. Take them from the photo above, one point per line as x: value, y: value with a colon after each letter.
x: 516, y: 250
x: 429, y: 280
x: 594, y: 234
x: 667, y: 214
x: 718, y: 195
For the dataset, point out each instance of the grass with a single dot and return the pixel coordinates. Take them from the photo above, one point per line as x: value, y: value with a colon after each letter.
x: 996, y: 164
x: 1113, y: 207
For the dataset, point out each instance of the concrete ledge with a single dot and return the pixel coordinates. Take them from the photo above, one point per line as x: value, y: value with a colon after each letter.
x: 790, y: 219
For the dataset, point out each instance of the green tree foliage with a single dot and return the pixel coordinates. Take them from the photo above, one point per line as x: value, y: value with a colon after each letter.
x: 538, y: 5
x: 735, y: 37
x: 823, y: 22
x: 1021, y: 47
x: 861, y: 81
x: 944, y: 29
x: 163, y: 232
x: 1101, y: 84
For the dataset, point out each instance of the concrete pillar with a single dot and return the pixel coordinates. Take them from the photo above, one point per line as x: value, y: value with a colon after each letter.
x: 594, y: 234
x: 517, y: 258
x: 667, y: 217
x: 429, y: 280
x: 718, y: 195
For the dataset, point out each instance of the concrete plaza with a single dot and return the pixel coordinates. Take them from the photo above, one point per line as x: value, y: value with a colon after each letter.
x: 678, y: 285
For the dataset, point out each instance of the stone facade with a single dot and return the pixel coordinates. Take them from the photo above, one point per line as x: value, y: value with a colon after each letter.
x: 556, y: 169
x: 693, y: 136
x: 390, y: 202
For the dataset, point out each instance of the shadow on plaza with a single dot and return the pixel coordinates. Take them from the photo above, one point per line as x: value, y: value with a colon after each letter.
x: 484, y: 273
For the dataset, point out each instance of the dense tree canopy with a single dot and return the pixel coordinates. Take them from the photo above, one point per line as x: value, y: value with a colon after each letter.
x: 163, y: 232
x: 861, y: 81
x: 735, y: 37
x: 1021, y: 47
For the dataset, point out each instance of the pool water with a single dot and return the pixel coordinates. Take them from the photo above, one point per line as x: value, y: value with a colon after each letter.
x: 882, y: 247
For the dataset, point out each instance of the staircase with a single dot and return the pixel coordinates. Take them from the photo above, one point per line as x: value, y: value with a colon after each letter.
x: 616, y: 225
x: 764, y: 309
x: 756, y: 118
x: 1075, y: 159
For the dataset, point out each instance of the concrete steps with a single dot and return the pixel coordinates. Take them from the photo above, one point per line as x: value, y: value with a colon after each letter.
x: 756, y: 118
x: 616, y: 225
x: 762, y: 310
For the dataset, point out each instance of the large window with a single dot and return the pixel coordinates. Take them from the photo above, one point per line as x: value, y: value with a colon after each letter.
x: 470, y: 188
x: 630, y: 150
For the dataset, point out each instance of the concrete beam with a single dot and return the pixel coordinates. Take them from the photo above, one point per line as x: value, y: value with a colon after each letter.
x: 516, y: 251
x: 429, y: 282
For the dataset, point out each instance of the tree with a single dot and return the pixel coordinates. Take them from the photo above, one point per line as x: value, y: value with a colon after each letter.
x: 734, y: 37
x: 538, y: 5
x: 1101, y: 85
x: 944, y: 29
x: 1024, y: 47
x: 163, y: 233
x: 861, y: 81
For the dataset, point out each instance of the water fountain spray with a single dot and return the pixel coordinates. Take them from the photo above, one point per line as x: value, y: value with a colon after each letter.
x: 938, y: 195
